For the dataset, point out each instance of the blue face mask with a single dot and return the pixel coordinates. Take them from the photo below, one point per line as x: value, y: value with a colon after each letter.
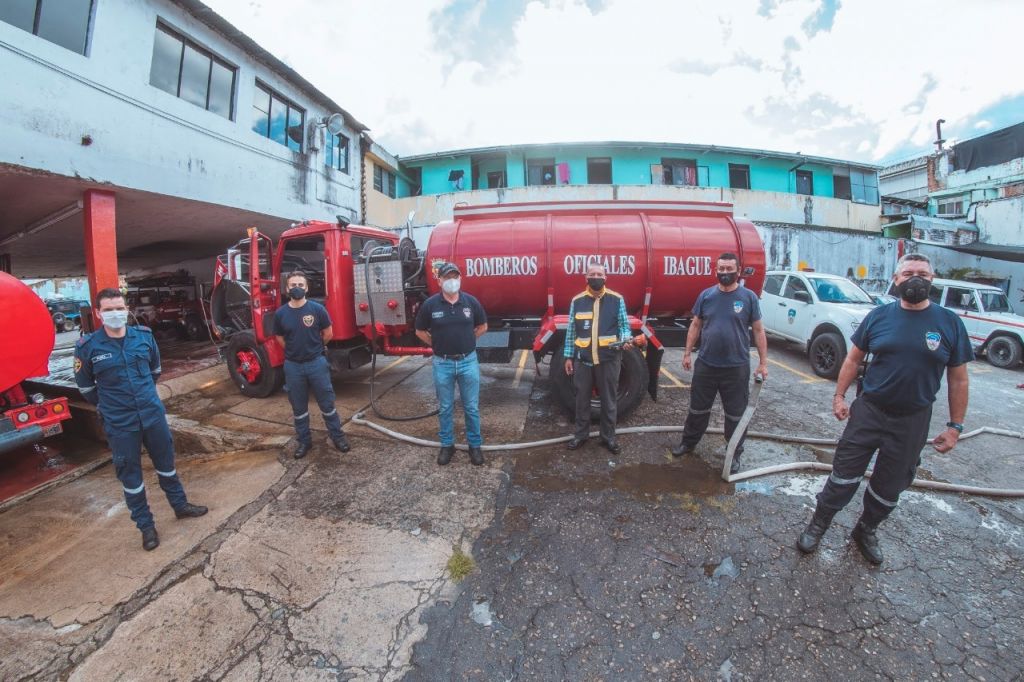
x: 115, y: 319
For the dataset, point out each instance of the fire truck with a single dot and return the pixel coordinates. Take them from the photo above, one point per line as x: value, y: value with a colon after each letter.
x: 524, y: 262
x: 25, y: 348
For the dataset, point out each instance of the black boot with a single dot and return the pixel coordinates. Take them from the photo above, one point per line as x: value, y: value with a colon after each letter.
x: 734, y: 468
x: 190, y: 511
x: 444, y: 455
x: 476, y: 455
x: 150, y: 540
x: 302, y: 449
x: 809, y: 539
x: 576, y: 443
x: 683, y: 450
x: 864, y: 535
x: 341, y: 443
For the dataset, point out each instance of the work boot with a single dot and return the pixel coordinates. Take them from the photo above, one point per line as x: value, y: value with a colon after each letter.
x: 341, y: 443
x: 150, y: 540
x: 302, y: 449
x: 683, y: 450
x: 809, y: 539
x: 476, y: 455
x: 864, y: 535
x: 190, y: 511
x: 734, y: 468
x: 445, y: 454
x: 612, y: 446
x: 576, y: 443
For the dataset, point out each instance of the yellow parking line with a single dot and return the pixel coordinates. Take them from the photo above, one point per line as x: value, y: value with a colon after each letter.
x: 809, y: 379
x: 676, y: 382
x: 396, y: 363
x: 519, y: 370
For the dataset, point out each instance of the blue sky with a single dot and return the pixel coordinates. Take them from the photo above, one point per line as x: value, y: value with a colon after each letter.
x: 857, y: 79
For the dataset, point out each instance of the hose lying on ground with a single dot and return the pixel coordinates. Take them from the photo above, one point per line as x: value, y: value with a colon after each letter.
x: 358, y: 418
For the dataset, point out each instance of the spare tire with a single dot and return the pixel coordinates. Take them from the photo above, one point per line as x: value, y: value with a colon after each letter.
x: 250, y: 366
x: 633, y: 378
x: 58, y: 321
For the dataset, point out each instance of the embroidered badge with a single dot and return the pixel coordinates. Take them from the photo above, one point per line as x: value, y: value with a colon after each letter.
x: 437, y: 315
x: 792, y: 315
x: 737, y: 307
x: 78, y: 365
x: 586, y: 324
x: 933, y: 339
x: 308, y: 320
x: 105, y: 356
x: 467, y: 312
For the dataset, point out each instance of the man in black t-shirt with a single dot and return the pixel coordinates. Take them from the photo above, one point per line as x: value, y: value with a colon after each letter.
x: 912, y: 342
x: 303, y: 327
x: 450, y: 323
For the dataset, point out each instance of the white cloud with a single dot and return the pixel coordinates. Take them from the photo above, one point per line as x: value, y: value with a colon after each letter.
x: 699, y: 71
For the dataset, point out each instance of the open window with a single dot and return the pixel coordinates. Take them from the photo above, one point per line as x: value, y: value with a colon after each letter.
x: 599, y: 171
x: 804, y: 182
x: 540, y: 172
x: 959, y: 298
x: 679, y: 172
x: 305, y: 254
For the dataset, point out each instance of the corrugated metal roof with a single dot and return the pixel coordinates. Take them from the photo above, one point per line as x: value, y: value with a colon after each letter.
x: 221, y: 25
x: 619, y: 144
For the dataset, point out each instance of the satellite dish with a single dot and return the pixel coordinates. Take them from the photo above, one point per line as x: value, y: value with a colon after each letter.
x: 335, y: 123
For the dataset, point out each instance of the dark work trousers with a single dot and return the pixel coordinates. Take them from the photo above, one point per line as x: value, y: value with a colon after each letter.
x: 301, y: 377
x: 126, y: 447
x: 605, y: 375
x: 733, y: 384
x: 898, y: 440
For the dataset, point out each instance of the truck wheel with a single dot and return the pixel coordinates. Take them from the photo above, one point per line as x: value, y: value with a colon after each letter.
x: 250, y: 367
x: 69, y: 325
x: 632, y: 385
x: 827, y: 353
x: 1004, y: 351
x: 58, y: 321
x: 194, y: 328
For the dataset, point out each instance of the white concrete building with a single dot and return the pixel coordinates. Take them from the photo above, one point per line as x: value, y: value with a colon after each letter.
x: 196, y: 130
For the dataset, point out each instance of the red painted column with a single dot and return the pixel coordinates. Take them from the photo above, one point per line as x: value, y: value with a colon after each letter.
x: 100, y: 241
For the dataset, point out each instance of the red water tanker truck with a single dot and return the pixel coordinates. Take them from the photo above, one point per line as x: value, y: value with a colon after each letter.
x: 524, y: 262
x: 25, y: 348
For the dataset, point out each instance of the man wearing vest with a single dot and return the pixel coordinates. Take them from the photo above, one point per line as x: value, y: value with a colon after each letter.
x: 597, y: 319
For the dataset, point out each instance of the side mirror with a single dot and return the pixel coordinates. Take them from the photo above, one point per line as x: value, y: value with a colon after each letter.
x: 802, y: 296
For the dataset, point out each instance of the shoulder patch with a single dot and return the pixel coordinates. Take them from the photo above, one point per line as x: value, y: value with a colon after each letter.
x: 83, y: 340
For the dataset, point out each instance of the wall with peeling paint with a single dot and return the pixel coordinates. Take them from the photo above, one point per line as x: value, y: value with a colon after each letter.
x: 144, y: 138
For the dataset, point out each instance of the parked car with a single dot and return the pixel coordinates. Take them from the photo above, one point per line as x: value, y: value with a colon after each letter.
x: 65, y: 313
x: 817, y: 310
x: 881, y: 299
x: 170, y: 304
x: 995, y: 330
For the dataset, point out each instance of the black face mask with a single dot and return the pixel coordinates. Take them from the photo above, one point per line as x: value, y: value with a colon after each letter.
x: 595, y: 283
x: 297, y: 293
x: 915, y: 289
x: 727, y: 279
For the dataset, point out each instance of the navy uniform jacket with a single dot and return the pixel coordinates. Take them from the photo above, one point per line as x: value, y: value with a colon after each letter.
x: 119, y: 375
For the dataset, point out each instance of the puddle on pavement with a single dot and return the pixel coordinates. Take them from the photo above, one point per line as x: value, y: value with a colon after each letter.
x: 555, y: 472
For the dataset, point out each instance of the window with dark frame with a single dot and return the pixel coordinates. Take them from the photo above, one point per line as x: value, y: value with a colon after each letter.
x: 383, y: 181
x: 773, y: 284
x: 841, y: 188
x: 61, y: 22
x: 277, y: 118
x: 496, y: 180
x: 336, y: 151
x: 680, y: 172
x: 804, y: 182
x: 540, y: 172
x: 599, y: 170
x: 183, y: 69
x: 864, y: 187
x: 739, y: 176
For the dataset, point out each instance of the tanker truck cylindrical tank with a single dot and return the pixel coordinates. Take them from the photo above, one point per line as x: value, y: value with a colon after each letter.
x: 28, y: 336
x: 510, y: 255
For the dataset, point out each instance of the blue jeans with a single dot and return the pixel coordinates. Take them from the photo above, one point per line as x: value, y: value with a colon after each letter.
x: 466, y: 373
x: 315, y: 375
x: 127, y: 454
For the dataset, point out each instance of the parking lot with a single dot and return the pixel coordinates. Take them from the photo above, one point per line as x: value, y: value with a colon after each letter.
x: 587, y: 565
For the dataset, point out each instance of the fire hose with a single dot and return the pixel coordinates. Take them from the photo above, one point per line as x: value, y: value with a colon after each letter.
x: 359, y: 418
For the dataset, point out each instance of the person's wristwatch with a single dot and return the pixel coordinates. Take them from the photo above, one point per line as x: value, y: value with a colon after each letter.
x: 954, y: 425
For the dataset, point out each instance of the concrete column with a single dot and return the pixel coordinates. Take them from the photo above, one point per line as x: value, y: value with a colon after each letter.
x: 100, y: 241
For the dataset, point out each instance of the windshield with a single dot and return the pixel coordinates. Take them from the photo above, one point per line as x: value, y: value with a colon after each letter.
x: 994, y: 302
x: 831, y: 290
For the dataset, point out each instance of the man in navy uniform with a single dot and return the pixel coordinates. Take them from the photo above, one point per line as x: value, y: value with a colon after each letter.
x: 302, y: 328
x: 597, y: 319
x: 116, y: 369
x: 450, y: 323
x: 912, y: 342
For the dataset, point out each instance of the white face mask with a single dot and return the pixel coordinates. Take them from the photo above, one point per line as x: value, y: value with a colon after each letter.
x: 452, y: 286
x: 115, y: 319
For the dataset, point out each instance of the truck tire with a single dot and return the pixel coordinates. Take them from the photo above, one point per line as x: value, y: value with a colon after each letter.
x: 58, y: 321
x: 195, y: 328
x: 250, y: 367
x: 69, y: 325
x: 826, y: 354
x: 632, y: 386
x: 1004, y: 351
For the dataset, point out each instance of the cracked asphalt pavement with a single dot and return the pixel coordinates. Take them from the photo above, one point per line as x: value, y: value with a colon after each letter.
x: 588, y: 565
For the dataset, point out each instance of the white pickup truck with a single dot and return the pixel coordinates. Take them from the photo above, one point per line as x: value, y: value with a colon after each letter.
x: 817, y: 310
x: 994, y: 330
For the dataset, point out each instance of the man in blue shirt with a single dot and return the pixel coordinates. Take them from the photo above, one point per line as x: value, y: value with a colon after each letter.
x: 722, y: 319
x: 450, y: 323
x: 303, y: 327
x: 116, y: 369
x: 597, y: 319
x: 911, y: 342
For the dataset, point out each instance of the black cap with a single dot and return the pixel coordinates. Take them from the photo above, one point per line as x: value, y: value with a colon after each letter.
x: 446, y: 269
